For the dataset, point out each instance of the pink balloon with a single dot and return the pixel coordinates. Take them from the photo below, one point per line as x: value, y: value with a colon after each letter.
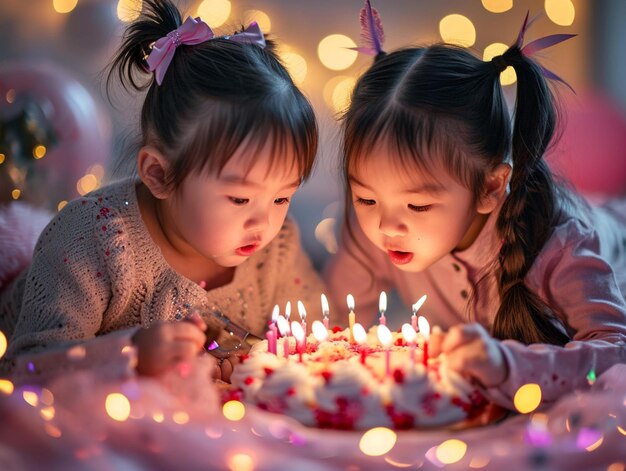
x: 82, y: 126
x: 592, y: 151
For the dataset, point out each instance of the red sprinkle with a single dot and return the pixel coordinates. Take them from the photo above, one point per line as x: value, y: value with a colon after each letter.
x: 249, y: 380
x: 268, y: 371
x: 398, y: 376
x: 327, y: 375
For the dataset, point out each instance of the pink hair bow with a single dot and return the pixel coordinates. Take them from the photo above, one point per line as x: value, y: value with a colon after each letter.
x: 251, y: 35
x: 192, y: 31
x: 540, y: 44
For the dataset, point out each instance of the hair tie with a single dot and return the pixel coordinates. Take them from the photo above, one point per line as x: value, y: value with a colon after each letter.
x: 499, y: 63
x: 193, y: 31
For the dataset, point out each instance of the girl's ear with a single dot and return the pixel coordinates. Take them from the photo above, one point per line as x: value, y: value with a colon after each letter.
x: 495, y: 186
x: 152, y: 167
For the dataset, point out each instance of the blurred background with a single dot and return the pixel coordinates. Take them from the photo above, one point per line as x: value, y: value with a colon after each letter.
x: 60, y: 136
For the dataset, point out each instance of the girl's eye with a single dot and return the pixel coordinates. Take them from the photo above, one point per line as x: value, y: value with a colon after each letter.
x: 420, y: 209
x: 281, y: 201
x: 238, y: 201
x: 365, y: 202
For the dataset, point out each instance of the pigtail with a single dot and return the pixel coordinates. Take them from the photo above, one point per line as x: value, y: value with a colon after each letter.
x: 530, y: 211
x: 158, y: 18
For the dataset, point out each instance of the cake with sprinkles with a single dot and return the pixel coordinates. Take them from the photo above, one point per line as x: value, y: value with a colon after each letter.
x: 340, y: 384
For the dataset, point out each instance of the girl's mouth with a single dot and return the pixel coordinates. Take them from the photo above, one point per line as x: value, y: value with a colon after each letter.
x: 400, y: 258
x: 247, y: 250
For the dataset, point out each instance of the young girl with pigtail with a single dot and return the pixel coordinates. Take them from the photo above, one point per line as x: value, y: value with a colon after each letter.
x: 452, y: 198
x: 227, y: 138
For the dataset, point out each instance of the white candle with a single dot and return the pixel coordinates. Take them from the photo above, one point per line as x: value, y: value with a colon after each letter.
x: 425, y: 331
x: 385, y: 338
x: 325, y: 309
x: 283, y: 327
x: 359, y: 337
x: 416, y: 307
x: 409, y: 334
x: 382, y: 307
x: 298, y: 334
x: 351, y: 316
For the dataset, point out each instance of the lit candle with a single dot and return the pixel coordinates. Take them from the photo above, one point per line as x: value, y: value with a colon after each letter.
x: 272, y: 333
x: 359, y: 336
x: 325, y: 310
x: 302, y: 312
x: 283, y: 327
x: 409, y: 334
x: 425, y: 331
x: 382, y: 307
x: 288, y: 310
x: 351, y: 316
x: 320, y: 332
x: 416, y: 307
x: 298, y: 334
x: 385, y: 338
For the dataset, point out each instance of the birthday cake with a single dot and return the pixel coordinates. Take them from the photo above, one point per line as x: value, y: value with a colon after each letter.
x: 339, y: 384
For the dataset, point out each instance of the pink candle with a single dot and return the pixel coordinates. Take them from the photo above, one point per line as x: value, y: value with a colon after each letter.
x: 283, y: 327
x: 416, y: 307
x: 382, y: 307
x: 271, y: 341
x: 359, y: 337
x: 325, y: 310
x: 425, y: 331
x: 298, y: 334
x: 385, y: 338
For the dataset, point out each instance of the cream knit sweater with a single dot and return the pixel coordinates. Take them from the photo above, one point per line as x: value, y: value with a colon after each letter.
x: 96, y: 275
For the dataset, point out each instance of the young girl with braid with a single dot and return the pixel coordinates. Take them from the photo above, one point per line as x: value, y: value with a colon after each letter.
x: 452, y: 198
x: 227, y: 138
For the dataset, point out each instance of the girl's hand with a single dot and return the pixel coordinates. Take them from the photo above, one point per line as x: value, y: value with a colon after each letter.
x: 163, y: 345
x: 472, y: 351
x: 226, y: 367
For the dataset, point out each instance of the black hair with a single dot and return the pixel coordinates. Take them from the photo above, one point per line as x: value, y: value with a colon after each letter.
x: 214, y: 97
x: 443, y: 104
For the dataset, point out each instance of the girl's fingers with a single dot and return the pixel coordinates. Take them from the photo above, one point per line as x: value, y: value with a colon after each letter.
x: 458, y: 335
x: 187, y: 331
x: 195, y: 319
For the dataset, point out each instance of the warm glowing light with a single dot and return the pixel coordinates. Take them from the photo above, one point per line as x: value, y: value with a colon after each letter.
x: 424, y: 327
x: 408, y: 332
x: 324, y: 302
x: 234, y: 410
x: 46, y: 397
x: 325, y: 234
x: 497, y: 6
x: 296, y: 65
x: 301, y: 310
x: 382, y: 302
x: 260, y: 17
x: 117, y: 406
x: 2, y: 157
x: 51, y: 430
x: 527, y: 398
x: 457, y: 29
x: 616, y: 467
x: 47, y: 413
x: 420, y: 302
x: 296, y: 331
x: 479, y: 462
x: 359, y: 334
x: 561, y: 12
x: 595, y: 444
x: 319, y: 331
x: 288, y: 310
x: 621, y: 430
x: 451, y: 451
x: 3, y: 344
x: 16, y: 193
x: 129, y: 10
x: 31, y: 398
x: 180, y: 417
x: 341, y: 94
x: 384, y: 335
x: 283, y: 325
x: 350, y: 301
x: 275, y: 313
x: 10, y: 96
x: 86, y: 184
x: 507, y: 76
x: 61, y: 205
x: 334, y: 52
x: 377, y: 441
x: 6, y: 387
x: 39, y: 151
x: 214, y: 12
x: 64, y: 6
x: 77, y: 352
x: 240, y: 462
x: 158, y: 417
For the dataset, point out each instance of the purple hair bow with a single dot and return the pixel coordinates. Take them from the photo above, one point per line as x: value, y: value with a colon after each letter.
x: 372, y: 33
x: 193, y: 31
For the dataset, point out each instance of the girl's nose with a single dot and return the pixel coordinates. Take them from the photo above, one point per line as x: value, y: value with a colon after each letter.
x: 392, y: 226
x: 257, y: 222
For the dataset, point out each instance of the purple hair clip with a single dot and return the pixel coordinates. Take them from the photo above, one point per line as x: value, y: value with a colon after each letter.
x: 193, y: 31
x: 539, y: 44
x: 372, y: 33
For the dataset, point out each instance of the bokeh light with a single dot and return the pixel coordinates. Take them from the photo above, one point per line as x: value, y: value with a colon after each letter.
x: 334, y: 51
x: 240, y: 462
x: 497, y: 6
x: 260, y: 17
x: 479, y: 461
x: 561, y: 12
x: 2, y: 157
x: 31, y: 397
x: 3, y: 344
x: 296, y: 65
x: 508, y: 75
x: 11, y: 94
x: 64, y: 6
x: 117, y: 406
x: 457, y: 29
x: 129, y: 10
x: 52, y: 430
x: 6, y: 386
x: 527, y: 398
x: 214, y: 12
x: 325, y: 234
x: 61, y: 205
x: 39, y: 151
x: 180, y: 417
x: 377, y: 441
x: 86, y: 184
x: 234, y: 410
x: 16, y: 193
x: 338, y: 91
x: 451, y: 451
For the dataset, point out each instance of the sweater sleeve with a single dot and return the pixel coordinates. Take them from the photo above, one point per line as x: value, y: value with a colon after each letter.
x: 580, y: 284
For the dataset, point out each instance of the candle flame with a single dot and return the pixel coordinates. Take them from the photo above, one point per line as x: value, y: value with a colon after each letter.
x: 296, y: 331
x: 325, y: 308
x: 408, y: 333
x: 424, y: 327
x: 420, y: 302
x: 384, y: 335
x: 382, y: 302
x: 288, y: 310
x: 358, y: 332
x: 319, y: 331
x: 301, y: 310
x: 350, y: 301
x: 283, y: 325
x: 275, y: 313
